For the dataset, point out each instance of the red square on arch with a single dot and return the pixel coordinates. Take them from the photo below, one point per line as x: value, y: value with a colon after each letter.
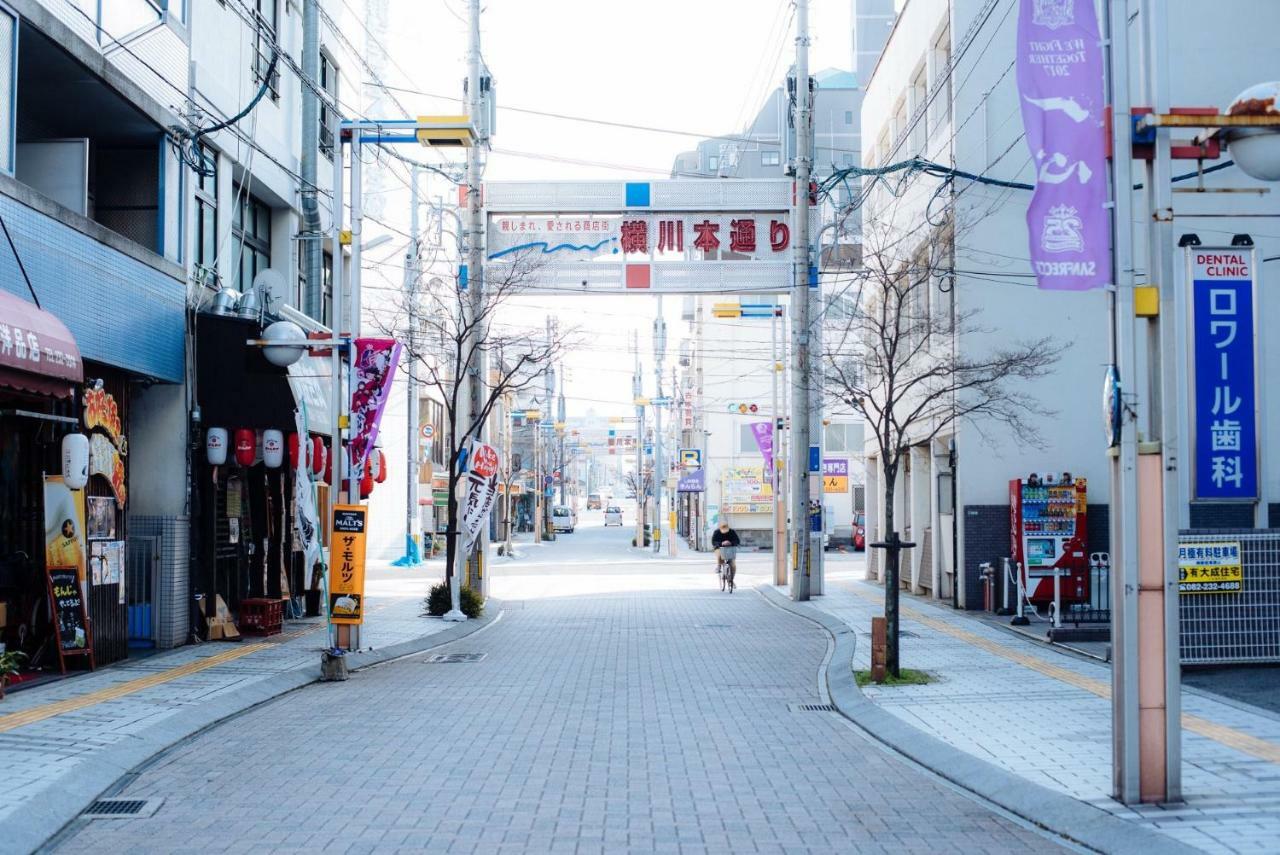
x: 638, y: 276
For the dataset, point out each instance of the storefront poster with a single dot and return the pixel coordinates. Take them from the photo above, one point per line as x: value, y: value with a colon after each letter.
x: 346, y: 585
x: 835, y: 475
x: 1059, y: 61
x: 101, y: 523
x: 481, y: 488
x: 745, y: 490
x: 371, y: 375
x: 105, y: 460
x: 1210, y: 568
x: 64, y: 528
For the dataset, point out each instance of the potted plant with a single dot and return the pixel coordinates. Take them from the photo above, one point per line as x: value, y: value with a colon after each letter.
x: 9, y: 663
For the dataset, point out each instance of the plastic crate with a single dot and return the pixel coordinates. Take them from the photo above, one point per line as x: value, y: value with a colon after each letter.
x: 261, y: 616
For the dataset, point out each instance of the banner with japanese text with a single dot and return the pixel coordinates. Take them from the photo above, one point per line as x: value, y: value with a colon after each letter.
x: 1060, y: 90
x: 1224, y: 386
x: 763, y: 433
x: 481, y: 488
x: 346, y: 578
x: 372, y: 371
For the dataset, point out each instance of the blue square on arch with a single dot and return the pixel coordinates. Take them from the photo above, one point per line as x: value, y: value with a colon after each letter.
x: 637, y: 194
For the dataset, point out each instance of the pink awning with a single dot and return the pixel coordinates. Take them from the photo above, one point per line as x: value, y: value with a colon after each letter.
x: 37, y: 352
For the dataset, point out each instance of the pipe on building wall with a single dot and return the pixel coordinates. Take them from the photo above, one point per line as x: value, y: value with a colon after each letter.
x: 312, y: 249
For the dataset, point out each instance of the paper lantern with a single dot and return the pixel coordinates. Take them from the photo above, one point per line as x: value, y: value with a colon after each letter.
x: 366, y: 483
x: 246, y: 446
x: 272, y: 448
x: 378, y: 463
x: 319, y: 454
x: 215, y: 446
x: 291, y: 443
x: 326, y: 466
x: 75, y: 460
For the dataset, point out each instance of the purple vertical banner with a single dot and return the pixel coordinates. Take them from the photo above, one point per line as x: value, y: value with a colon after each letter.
x: 375, y: 366
x: 763, y: 432
x: 1060, y: 90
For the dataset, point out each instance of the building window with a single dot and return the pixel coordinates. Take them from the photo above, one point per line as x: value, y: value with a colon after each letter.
x: 919, y: 94
x: 770, y: 158
x: 328, y: 116
x: 326, y: 289
x: 267, y: 16
x: 713, y: 163
x: 848, y: 117
x: 847, y: 158
x: 836, y: 439
x: 940, y: 78
x: 8, y: 104
x: 251, y: 230
x: 207, y: 215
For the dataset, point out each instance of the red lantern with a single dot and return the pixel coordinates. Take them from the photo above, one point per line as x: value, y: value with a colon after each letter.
x: 366, y: 483
x: 292, y: 444
x: 246, y: 446
x: 378, y: 462
x: 319, y: 456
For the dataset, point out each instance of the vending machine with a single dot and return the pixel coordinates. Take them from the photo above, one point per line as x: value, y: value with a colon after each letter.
x: 1049, y: 536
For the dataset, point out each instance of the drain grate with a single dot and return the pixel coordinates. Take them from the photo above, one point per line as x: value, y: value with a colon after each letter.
x: 444, y: 658
x: 121, y: 808
x: 811, y: 707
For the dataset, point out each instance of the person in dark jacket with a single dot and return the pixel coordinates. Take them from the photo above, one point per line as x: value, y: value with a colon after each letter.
x: 723, y: 537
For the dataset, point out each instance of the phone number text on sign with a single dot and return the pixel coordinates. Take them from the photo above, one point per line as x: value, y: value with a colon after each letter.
x: 1210, y: 568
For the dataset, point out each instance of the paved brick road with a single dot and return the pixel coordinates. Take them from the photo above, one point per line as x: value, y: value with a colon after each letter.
x: 645, y: 721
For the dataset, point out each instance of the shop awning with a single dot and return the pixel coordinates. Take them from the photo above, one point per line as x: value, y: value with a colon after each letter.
x: 37, y: 352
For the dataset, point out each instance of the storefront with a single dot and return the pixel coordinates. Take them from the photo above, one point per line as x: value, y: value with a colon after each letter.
x: 245, y: 496
x: 55, y: 515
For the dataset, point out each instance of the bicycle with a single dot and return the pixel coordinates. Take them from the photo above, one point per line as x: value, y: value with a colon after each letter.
x: 727, y: 567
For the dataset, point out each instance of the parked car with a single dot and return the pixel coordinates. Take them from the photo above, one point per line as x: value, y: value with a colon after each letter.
x: 594, y: 502
x: 613, y: 515
x: 860, y: 532
x: 563, y: 518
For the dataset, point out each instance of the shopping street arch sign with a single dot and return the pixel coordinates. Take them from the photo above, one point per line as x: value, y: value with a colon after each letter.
x: 698, y: 236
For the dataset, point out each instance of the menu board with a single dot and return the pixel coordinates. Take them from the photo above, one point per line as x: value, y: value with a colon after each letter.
x: 70, y: 614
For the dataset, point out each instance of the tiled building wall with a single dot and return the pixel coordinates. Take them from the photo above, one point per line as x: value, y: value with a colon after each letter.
x: 173, y: 592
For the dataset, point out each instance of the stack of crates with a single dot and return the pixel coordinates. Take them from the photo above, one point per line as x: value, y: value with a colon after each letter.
x: 261, y: 616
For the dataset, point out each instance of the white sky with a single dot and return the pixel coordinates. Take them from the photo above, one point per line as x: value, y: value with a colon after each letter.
x: 701, y: 66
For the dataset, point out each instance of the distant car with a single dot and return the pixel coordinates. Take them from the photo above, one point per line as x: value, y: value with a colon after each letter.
x: 860, y: 532
x: 613, y: 515
x: 563, y: 519
x: 594, y: 502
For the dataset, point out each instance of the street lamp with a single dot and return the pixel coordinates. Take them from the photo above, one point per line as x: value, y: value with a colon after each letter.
x: 1256, y: 150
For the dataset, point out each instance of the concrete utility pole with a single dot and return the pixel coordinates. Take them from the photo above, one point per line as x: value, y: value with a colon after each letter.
x: 412, y: 528
x: 560, y: 428
x: 1146, y: 677
x: 312, y: 250
x: 775, y: 481
x: 637, y: 390
x: 802, y: 475
x: 659, y: 470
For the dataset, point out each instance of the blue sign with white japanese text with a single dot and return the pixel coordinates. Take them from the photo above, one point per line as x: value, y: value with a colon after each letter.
x: 1225, y: 409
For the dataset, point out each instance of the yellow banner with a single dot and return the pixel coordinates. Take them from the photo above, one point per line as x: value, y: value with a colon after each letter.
x: 346, y: 582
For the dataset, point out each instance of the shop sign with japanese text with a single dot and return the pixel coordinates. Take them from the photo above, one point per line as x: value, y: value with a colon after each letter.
x: 1210, y: 568
x: 835, y: 475
x: 657, y: 237
x: 346, y: 586
x: 1224, y: 384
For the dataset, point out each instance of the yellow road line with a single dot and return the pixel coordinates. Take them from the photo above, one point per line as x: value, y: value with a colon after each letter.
x: 30, y: 716
x: 1228, y: 736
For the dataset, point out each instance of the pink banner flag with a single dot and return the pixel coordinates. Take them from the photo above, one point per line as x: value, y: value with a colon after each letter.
x: 763, y: 432
x: 371, y: 375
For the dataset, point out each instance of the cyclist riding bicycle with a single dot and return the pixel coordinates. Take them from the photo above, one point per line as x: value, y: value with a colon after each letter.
x: 725, y: 542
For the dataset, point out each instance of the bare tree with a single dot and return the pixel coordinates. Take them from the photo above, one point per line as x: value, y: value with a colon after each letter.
x: 456, y: 337
x: 893, y: 356
x: 642, y: 486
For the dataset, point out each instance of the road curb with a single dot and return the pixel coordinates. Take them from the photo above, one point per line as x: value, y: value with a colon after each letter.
x: 54, y: 806
x: 1059, y: 813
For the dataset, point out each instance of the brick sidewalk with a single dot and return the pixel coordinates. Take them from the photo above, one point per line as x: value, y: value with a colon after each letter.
x: 51, y: 736
x: 1046, y: 716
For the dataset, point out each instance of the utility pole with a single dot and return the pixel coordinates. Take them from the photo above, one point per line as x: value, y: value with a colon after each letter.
x: 637, y: 390
x: 560, y: 428
x: 775, y: 481
x: 548, y: 424
x: 802, y: 476
x: 675, y: 445
x: 312, y: 249
x: 412, y: 532
x: 659, y: 470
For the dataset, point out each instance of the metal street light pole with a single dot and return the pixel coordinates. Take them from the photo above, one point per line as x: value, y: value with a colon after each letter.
x: 412, y: 529
x: 802, y: 405
x: 659, y: 470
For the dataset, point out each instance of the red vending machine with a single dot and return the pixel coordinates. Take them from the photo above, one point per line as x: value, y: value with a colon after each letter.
x: 1048, y: 533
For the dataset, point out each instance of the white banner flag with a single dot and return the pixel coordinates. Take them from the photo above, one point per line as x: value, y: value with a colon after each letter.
x: 305, y: 518
x: 482, y: 487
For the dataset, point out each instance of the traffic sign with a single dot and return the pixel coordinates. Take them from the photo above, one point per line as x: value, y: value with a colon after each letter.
x: 691, y: 458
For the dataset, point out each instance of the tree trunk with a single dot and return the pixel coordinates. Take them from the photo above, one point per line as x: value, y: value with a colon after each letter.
x: 451, y: 527
x: 891, y: 564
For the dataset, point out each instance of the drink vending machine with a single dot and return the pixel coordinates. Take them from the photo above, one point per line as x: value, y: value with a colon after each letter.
x: 1049, y: 536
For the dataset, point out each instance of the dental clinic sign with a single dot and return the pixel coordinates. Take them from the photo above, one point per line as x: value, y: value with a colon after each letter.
x: 1060, y: 90
x: 1224, y: 382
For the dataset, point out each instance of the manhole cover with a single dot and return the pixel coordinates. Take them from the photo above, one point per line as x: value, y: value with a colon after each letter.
x: 121, y: 808
x: 443, y: 658
x: 811, y: 707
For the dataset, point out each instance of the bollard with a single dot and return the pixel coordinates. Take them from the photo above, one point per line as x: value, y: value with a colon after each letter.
x: 879, y: 648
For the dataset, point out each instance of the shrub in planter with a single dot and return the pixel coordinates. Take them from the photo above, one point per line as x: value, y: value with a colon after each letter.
x: 439, y: 601
x: 10, y: 663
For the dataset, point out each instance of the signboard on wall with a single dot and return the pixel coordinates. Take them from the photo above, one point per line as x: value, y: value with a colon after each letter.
x: 1210, y: 568
x: 835, y: 475
x: 745, y: 490
x: 1223, y: 385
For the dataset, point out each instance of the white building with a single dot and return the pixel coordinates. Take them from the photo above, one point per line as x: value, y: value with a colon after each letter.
x: 944, y: 90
